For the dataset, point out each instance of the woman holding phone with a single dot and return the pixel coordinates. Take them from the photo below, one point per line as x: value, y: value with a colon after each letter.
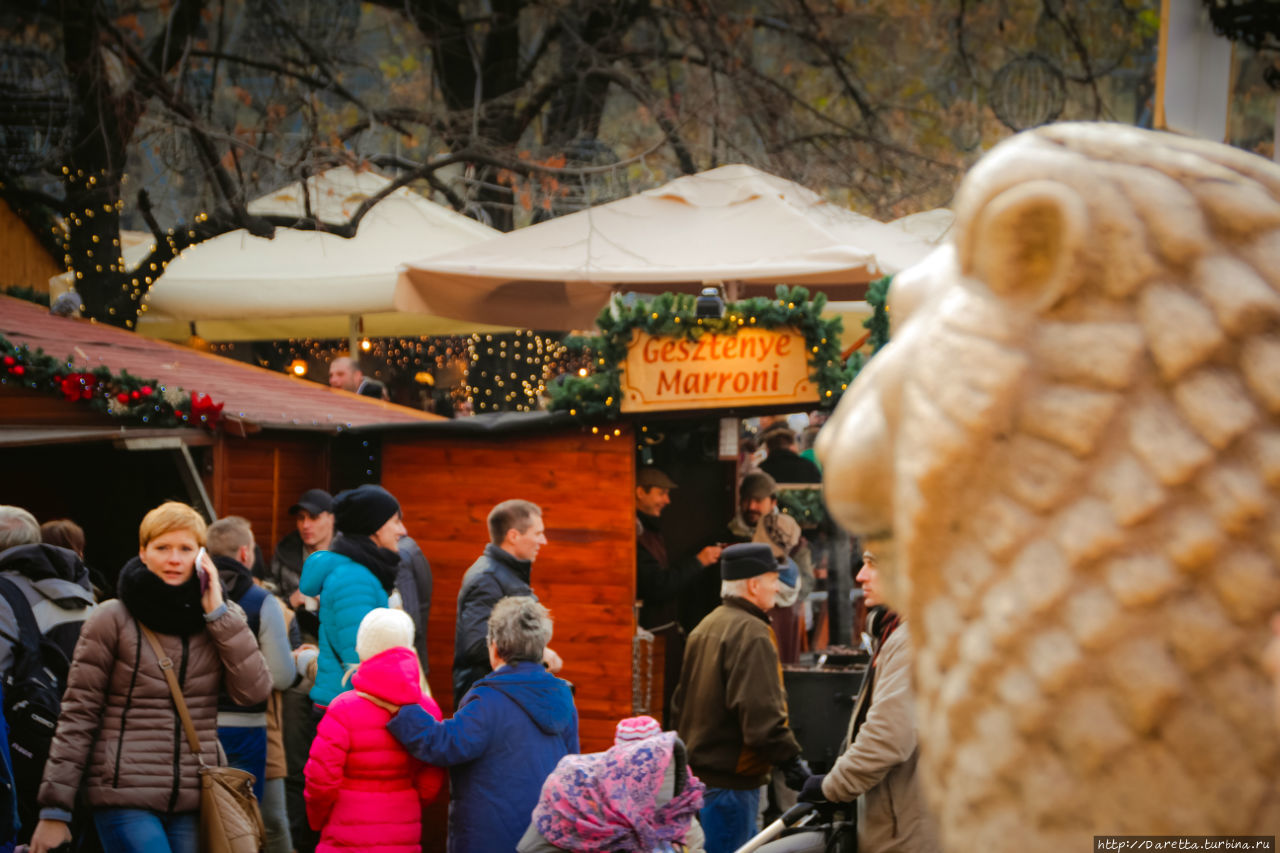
x: 118, y: 729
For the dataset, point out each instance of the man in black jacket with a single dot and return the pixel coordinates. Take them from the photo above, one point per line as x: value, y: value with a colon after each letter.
x: 662, y: 581
x: 783, y: 463
x: 314, y: 516
x: 516, y: 534
x: 413, y: 582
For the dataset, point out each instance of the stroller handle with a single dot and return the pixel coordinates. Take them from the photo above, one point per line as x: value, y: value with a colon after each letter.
x: 790, y: 817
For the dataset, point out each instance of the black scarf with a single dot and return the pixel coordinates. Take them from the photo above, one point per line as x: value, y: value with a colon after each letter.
x: 165, y: 609
x: 382, y: 562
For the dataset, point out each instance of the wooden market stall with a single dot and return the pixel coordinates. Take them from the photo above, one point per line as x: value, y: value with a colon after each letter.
x: 278, y: 436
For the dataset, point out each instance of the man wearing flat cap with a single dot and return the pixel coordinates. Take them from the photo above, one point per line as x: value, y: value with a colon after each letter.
x: 660, y: 578
x: 730, y: 707
x: 758, y: 520
x: 662, y: 581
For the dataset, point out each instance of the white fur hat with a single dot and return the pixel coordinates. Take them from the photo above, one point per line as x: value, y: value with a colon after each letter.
x: 383, y: 628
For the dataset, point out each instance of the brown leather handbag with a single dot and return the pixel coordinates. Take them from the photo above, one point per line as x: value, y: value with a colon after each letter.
x: 230, y: 821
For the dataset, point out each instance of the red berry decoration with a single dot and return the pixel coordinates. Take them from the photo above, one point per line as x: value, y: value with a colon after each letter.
x: 10, y: 361
x: 146, y: 390
x: 177, y: 413
x: 17, y: 370
x: 134, y: 395
x: 123, y: 396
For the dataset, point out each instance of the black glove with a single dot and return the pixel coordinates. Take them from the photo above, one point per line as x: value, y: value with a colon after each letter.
x: 811, y: 791
x: 795, y: 772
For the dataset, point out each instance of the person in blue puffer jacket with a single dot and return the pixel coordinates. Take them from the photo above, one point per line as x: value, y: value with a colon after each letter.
x: 354, y: 576
x: 512, y: 728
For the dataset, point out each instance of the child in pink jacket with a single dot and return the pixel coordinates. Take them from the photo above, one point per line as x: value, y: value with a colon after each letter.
x: 364, y: 792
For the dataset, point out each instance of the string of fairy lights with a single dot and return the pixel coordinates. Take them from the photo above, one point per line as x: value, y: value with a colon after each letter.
x: 487, y: 372
x: 135, y: 288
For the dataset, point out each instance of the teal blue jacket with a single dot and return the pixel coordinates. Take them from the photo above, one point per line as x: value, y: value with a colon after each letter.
x: 347, y: 591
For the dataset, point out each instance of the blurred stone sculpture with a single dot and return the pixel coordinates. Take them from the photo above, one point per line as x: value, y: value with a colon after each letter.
x: 1068, y: 461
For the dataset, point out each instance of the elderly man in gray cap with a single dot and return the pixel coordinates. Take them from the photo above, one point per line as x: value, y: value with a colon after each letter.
x: 730, y: 708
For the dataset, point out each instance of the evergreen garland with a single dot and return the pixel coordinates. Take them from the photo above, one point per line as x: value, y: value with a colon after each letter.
x: 596, y: 395
x: 804, y: 505
x: 121, y: 395
x: 877, y: 324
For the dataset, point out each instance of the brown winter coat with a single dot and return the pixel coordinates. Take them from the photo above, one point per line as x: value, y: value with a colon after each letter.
x: 730, y: 708
x: 118, y: 711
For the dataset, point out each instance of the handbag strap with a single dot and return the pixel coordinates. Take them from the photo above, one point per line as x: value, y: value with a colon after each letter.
x: 166, y: 666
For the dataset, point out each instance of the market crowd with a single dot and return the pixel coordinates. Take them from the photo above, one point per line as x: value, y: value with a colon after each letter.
x: 308, y: 674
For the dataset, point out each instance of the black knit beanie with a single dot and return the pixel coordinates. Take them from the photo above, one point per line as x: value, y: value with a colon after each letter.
x: 363, y: 510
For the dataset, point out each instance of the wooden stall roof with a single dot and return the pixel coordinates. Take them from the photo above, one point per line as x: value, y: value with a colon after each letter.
x: 447, y: 480
x: 251, y: 395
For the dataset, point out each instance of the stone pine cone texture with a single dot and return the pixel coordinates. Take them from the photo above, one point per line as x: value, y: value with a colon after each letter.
x: 1084, y: 481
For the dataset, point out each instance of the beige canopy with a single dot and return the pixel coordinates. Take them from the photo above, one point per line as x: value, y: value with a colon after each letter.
x: 309, y: 283
x: 734, y: 223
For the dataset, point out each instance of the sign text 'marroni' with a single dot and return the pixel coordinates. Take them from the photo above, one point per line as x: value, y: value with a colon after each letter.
x: 752, y: 367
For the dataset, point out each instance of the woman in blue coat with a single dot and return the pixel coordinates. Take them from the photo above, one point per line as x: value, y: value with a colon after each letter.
x: 354, y: 576
x: 507, y: 735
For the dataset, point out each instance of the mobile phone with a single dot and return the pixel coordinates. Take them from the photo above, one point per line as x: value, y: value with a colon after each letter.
x: 201, y: 572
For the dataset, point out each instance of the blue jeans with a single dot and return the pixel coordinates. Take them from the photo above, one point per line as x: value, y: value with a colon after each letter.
x: 144, y: 831
x: 246, y: 749
x: 728, y: 818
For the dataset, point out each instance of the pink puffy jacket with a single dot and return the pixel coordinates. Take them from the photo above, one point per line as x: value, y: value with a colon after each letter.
x: 364, y: 792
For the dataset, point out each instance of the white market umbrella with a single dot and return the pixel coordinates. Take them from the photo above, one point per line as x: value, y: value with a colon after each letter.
x: 733, y: 223
x: 309, y: 283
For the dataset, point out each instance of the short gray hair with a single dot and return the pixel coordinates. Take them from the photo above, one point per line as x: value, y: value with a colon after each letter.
x: 520, y: 627
x: 17, y: 527
x: 228, y: 535
x: 735, y: 588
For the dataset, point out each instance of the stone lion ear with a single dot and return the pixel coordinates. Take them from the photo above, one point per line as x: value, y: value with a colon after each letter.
x: 1026, y: 244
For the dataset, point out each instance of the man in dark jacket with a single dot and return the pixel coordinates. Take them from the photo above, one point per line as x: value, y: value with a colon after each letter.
x: 413, y: 582
x: 730, y: 708
x: 516, y: 533
x: 783, y: 463
x: 662, y: 581
x: 506, y: 737
x: 242, y: 729
x: 345, y: 373
x: 314, y: 516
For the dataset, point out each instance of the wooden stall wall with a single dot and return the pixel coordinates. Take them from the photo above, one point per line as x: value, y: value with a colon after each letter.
x: 585, y: 573
x: 260, y: 477
x: 26, y: 262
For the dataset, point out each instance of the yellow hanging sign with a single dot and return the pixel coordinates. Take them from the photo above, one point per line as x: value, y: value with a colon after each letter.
x: 754, y: 367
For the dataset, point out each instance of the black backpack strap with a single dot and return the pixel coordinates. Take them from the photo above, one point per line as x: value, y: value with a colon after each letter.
x: 29, y: 636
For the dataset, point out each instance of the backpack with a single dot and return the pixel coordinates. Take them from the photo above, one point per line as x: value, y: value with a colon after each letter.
x: 32, y: 700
